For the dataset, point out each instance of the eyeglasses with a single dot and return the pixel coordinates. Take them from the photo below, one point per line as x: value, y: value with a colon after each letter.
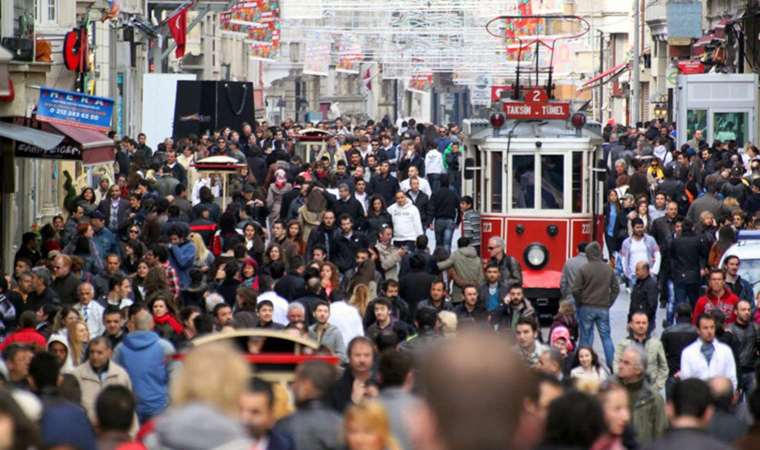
x: 492, y: 248
x: 134, y: 231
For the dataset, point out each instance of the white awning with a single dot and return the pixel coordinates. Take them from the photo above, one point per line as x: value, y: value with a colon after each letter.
x: 31, y: 136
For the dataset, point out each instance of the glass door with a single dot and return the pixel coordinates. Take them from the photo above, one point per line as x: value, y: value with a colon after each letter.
x: 731, y: 126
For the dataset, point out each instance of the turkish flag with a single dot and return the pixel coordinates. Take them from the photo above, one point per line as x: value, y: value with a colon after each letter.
x: 178, y: 28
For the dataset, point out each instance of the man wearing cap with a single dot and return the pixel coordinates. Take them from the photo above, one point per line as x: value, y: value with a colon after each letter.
x: 115, y: 210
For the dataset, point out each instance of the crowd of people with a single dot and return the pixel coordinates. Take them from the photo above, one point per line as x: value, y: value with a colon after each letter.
x: 101, y: 311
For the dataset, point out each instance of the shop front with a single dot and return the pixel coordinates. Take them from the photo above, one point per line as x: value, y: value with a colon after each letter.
x: 37, y: 160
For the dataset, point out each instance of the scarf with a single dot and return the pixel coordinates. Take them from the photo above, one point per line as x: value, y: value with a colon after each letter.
x: 168, y: 319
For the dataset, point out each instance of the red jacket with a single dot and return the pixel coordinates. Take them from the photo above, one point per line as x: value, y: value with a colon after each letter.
x: 26, y: 336
x: 726, y: 303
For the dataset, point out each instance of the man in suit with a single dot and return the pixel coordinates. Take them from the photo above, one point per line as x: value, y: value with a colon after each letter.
x: 115, y: 210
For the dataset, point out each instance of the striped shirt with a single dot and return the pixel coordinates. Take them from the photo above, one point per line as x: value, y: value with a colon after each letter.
x: 471, y: 226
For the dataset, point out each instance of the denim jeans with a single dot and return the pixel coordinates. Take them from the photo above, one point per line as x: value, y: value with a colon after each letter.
x: 444, y: 231
x: 435, y: 181
x: 587, y: 317
x: 685, y: 292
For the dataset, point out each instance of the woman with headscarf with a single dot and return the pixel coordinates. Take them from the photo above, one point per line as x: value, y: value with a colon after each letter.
x: 275, y: 193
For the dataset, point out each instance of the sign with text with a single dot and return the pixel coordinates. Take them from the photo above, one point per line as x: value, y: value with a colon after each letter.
x: 497, y: 90
x: 537, y: 106
x: 691, y: 67
x: 74, y: 108
x: 63, y: 151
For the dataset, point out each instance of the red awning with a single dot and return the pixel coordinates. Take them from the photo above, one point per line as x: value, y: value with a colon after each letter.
x: 699, y: 47
x: 96, y: 147
x: 605, y: 76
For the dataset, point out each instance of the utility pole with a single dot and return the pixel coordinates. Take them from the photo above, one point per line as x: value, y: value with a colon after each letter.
x: 601, y: 70
x: 635, y: 82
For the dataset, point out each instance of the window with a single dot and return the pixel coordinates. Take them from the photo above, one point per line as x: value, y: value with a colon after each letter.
x: 696, y: 119
x: 523, y: 181
x: 497, y: 175
x: 45, y: 11
x: 552, y: 181
x: 730, y: 126
x: 577, y: 178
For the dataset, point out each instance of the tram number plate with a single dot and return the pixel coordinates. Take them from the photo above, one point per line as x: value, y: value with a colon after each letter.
x: 585, y: 228
x: 537, y: 106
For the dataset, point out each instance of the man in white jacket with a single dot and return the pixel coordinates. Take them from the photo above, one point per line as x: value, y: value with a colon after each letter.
x: 706, y: 357
x: 434, y: 168
x: 407, y: 224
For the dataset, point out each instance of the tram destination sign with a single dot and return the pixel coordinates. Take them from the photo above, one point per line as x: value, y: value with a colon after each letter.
x: 536, y: 106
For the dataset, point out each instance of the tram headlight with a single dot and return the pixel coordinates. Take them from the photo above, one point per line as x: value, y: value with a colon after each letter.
x: 536, y: 256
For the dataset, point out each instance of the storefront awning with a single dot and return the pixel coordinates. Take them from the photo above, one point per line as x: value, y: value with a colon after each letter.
x: 605, y: 76
x: 699, y: 47
x: 95, y: 147
x: 37, y: 138
x: 5, y: 79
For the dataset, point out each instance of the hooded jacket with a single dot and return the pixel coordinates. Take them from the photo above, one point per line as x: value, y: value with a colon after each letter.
x: 68, y: 365
x: 143, y: 354
x: 197, y: 427
x: 182, y: 257
x: 595, y: 284
x: 407, y: 222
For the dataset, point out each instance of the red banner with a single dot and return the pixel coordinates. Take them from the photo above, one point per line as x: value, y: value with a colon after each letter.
x: 536, y: 106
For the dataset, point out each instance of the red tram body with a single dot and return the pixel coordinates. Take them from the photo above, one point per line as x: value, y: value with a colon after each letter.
x: 535, y: 185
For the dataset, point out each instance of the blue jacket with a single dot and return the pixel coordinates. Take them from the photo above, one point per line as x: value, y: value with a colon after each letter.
x: 143, y: 355
x: 182, y: 257
x: 105, y: 241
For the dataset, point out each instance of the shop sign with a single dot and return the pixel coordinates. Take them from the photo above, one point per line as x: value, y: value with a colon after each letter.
x: 74, y: 108
x: 63, y: 151
x: 537, y: 106
x: 691, y: 67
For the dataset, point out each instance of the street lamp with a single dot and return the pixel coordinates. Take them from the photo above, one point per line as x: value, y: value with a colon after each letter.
x: 660, y: 111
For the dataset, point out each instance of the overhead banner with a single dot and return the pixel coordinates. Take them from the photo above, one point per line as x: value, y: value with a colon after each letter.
x: 258, y: 23
x: 74, y: 108
x: 317, y: 55
x: 349, y: 55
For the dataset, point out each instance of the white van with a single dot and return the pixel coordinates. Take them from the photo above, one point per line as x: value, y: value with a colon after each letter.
x: 747, y: 248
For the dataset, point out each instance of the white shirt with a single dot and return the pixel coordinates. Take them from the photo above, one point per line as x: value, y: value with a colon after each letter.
x: 93, y: 317
x: 694, y: 364
x: 362, y: 199
x: 407, y: 224
x: 638, y: 253
x: 347, y: 319
x: 280, y: 313
x: 196, y: 194
x: 424, y: 186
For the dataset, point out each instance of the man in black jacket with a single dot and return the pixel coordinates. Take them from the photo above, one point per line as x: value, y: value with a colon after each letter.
x: 644, y: 294
x: 420, y: 200
x: 688, y: 255
x: 384, y: 184
x: 663, y: 232
x: 748, y: 336
x: 347, y: 204
x: 674, y: 339
x: 444, y: 205
x: 399, y: 308
x: 347, y: 243
x: 324, y: 235
x: 414, y: 287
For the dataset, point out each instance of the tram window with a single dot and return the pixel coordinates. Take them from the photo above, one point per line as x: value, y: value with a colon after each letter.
x: 552, y: 181
x: 523, y: 181
x: 577, y: 182
x: 497, y: 175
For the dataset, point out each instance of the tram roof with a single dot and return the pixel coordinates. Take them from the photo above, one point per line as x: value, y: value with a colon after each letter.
x: 481, y: 130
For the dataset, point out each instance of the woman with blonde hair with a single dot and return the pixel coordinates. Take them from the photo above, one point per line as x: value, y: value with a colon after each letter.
x: 366, y: 427
x: 79, y: 338
x: 360, y: 298
x: 205, y: 398
x: 448, y: 321
x: 215, y: 375
x: 204, y: 259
